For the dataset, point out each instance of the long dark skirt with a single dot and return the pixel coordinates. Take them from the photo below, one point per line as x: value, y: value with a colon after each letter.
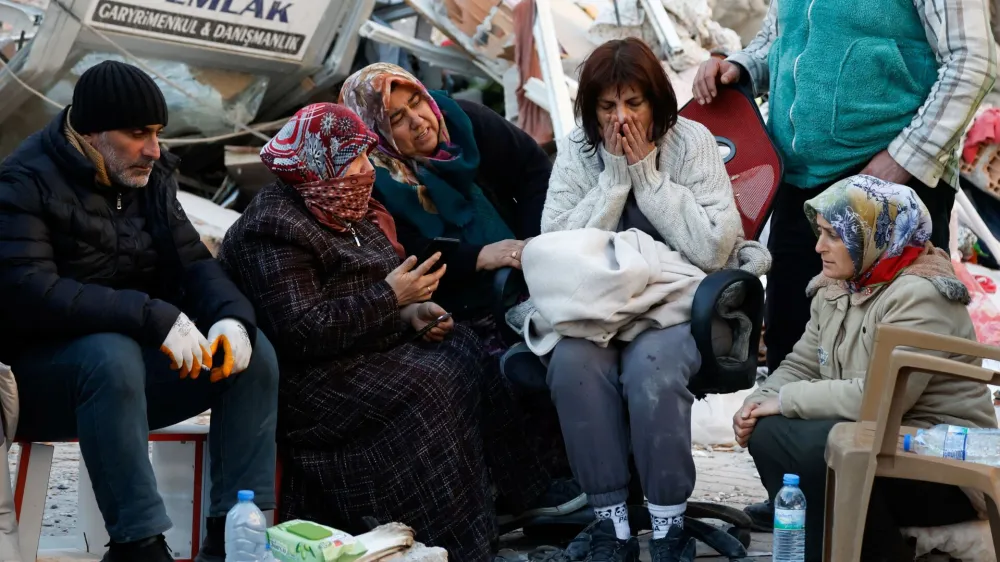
x: 538, y: 411
x: 436, y: 430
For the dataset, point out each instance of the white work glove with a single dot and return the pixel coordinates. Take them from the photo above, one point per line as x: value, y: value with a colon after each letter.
x: 187, y: 349
x: 236, y: 345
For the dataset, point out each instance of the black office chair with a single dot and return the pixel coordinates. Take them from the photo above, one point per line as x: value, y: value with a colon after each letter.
x: 755, y: 169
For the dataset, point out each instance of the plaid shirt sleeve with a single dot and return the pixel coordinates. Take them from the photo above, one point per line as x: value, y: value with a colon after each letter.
x: 960, y: 34
x: 754, y: 56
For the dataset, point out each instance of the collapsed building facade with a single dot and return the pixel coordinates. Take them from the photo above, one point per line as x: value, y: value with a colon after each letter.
x: 234, y: 68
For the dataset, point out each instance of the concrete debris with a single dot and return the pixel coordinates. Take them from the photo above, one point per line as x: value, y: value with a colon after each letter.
x: 742, y: 16
x: 222, y: 96
x: 699, y: 33
x: 246, y: 169
x: 209, y: 219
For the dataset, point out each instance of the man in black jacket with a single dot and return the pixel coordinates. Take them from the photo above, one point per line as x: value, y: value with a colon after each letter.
x: 107, y: 292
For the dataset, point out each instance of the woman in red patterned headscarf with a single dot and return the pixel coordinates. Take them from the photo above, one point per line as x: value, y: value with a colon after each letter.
x: 374, y: 419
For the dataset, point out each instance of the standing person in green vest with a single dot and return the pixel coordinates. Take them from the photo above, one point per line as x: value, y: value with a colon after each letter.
x: 881, y: 88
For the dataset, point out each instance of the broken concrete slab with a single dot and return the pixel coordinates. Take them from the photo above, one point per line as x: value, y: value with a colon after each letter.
x: 210, y: 220
x: 246, y: 169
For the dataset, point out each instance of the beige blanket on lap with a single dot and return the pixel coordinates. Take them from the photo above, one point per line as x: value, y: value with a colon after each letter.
x: 600, y: 285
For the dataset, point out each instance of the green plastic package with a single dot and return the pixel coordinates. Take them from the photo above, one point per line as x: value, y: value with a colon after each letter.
x: 304, y: 541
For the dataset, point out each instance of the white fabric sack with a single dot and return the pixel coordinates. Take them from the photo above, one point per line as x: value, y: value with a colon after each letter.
x: 598, y: 285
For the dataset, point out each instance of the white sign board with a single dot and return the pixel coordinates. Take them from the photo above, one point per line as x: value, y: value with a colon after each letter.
x: 279, y: 29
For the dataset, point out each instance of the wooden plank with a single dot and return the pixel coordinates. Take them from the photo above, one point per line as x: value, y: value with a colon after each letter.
x: 547, y: 45
x: 666, y: 33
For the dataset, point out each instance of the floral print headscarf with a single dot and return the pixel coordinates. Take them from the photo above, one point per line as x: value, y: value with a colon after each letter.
x: 312, y: 153
x: 885, y: 226
x: 366, y: 92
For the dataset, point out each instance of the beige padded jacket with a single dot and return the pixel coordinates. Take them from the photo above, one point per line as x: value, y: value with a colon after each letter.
x: 823, y: 377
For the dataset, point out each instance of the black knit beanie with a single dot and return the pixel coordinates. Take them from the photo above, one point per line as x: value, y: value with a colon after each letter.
x: 114, y: 95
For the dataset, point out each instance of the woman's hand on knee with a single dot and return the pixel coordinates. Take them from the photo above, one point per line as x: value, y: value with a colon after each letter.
x: 769, y: 407
x: 743, y: 423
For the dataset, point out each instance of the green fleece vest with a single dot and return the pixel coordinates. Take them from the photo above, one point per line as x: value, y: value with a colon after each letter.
x: 847, y: 76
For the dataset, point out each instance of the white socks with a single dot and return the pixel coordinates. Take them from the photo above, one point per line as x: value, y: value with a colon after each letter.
x: 663, y: 516
x: 666, y: 516
x: 618, y: 514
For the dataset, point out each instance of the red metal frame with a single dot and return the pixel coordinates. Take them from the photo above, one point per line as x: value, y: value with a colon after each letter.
x: 199, y: 440
x: 22, y: 476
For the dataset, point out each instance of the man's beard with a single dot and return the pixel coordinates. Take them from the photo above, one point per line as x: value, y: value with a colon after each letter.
x: 120, y: 170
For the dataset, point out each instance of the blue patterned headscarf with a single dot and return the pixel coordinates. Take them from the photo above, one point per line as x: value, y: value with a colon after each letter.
x: 877, y: 220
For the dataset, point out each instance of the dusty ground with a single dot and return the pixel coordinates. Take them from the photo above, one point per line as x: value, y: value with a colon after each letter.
x: 723, y: 477
x: 60, y: 509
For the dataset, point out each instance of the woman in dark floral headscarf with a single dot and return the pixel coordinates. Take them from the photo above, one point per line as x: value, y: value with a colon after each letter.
x: 374, y: 420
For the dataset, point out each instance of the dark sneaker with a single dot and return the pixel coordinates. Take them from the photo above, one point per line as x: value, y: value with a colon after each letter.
x: 677, y: 546
x: 213, y: 549
x: 605, y: 546
x: 561, y: 498
x: 153, y: 549
x: 762, y: 516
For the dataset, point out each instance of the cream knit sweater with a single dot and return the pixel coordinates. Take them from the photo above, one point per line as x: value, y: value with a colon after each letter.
x: 685, y: 194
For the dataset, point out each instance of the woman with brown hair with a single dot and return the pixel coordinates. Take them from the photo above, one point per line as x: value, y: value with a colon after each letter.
x: 633, y: 163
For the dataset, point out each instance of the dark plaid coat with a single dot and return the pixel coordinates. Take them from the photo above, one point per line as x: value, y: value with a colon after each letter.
x: 371, y: 424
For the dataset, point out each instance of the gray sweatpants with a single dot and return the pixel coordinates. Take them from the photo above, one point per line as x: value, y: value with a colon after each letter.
x: 592, y: 387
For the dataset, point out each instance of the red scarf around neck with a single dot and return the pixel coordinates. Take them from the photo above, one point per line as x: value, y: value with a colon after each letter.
x: 342, y: 202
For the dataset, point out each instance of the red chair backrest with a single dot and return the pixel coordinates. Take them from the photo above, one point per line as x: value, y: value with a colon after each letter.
x: 753, y: 164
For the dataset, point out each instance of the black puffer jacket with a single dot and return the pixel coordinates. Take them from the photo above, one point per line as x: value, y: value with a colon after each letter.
x: 79, y: 258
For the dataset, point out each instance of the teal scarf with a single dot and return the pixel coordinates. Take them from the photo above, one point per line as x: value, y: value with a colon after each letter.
x: 464, y: 212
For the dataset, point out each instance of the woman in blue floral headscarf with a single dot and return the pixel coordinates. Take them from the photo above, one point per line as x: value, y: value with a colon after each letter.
x: 884, y: 226
x: 878, y: 268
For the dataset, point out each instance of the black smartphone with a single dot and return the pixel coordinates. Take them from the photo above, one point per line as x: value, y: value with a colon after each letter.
x: 443, y: 245
x: 431, y: 325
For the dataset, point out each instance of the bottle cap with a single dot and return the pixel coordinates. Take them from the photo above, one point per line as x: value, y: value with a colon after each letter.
x: 907, y: 442
x: 244, y: 495
x: 791, y: 480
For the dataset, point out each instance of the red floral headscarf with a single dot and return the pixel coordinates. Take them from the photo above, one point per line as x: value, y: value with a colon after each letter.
x: 312, y: 153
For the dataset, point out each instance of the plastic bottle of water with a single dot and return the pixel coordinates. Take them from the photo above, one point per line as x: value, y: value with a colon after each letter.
x: 954, y: 442
x: 268, y: 557
x: 246, y: 531
x: 789, y: 522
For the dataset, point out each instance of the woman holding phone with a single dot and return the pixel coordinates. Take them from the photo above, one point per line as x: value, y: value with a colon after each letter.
x: 375, y: 419
x: 457, y: 177
x: 455, y: 169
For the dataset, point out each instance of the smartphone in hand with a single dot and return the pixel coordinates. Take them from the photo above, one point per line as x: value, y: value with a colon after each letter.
x: 431, y: 325
x: 443, y: 245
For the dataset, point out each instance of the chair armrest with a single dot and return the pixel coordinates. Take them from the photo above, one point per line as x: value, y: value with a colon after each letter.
x: 715, y: 377
x: 889, y: 339
x: 902, y: 364
x: 508, y: 288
